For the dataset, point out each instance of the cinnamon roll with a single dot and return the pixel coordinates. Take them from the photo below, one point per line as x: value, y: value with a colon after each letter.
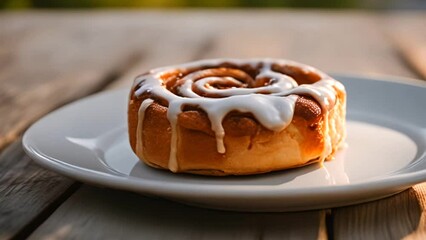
x: 235, y: 117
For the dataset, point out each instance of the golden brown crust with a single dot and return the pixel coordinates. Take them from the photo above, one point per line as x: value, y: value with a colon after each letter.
x: 250, y: 148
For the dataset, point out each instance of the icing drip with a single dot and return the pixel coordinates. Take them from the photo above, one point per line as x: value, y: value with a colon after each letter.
x: 141, y: 115
x: 172, y: 115
x: 218, y: 90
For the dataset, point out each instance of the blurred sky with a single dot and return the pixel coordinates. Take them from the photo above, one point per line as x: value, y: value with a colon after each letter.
x: 373, y: 4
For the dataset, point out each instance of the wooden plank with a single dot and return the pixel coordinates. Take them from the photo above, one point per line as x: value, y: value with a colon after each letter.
x: 407, y: 30
x: 395, y: 217
x: 94, y: 213
x: 419, y: 232
x: 46, y: 60
x: 28, y: 193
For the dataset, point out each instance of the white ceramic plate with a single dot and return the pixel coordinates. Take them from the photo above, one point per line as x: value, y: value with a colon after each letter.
x: 386, y: 153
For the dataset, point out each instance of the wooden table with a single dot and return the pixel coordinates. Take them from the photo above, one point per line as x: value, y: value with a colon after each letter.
x: 48, y: 59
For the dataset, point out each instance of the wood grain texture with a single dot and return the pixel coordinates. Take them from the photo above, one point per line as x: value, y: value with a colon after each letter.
x: 419, y: 232
x: 48, y: 59
x: 94, y: 213
x: 390, y: 218
x: 28, y: 193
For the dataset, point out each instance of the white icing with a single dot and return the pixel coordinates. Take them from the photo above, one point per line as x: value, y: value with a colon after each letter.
x: 272, y: 105
x: 141, y: 116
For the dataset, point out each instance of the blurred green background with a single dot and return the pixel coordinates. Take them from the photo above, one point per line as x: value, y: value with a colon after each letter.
x: 375, y: 4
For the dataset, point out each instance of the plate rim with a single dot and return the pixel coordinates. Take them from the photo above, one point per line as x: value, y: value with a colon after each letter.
x: 403, y: 180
